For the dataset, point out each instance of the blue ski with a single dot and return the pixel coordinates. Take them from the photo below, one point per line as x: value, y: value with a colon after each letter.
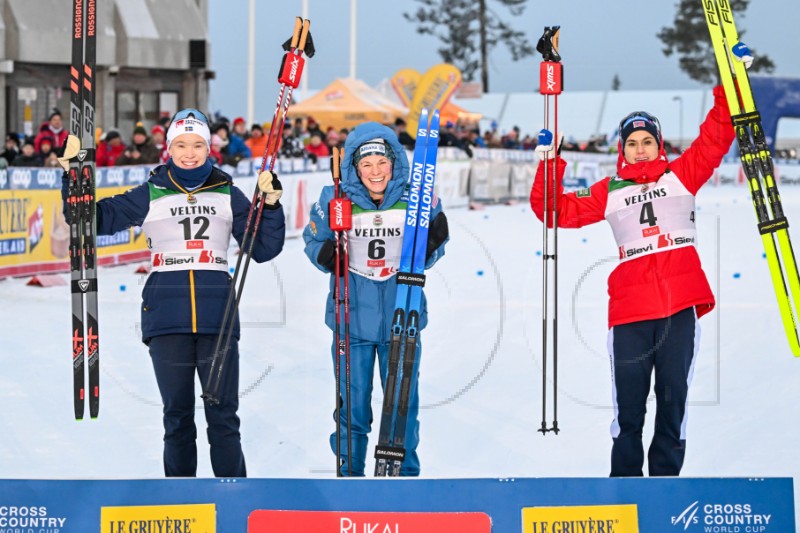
x: 390, y: 451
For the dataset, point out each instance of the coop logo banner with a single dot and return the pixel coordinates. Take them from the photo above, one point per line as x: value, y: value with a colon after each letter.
x: 595, y: 518
x: 730, y: 517
x: 24, y: 518
x: 196, y: 518
x: 346, y: 522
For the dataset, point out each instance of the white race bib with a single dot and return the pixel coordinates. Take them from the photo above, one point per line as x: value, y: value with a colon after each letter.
x: 375, y: 241
x: 650, y: 218
x: 186, y: 236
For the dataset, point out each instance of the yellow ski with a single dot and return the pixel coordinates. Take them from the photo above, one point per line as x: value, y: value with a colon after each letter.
x: 758, y: 166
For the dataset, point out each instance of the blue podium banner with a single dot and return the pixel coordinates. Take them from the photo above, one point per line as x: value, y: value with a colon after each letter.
x: 725, y: 505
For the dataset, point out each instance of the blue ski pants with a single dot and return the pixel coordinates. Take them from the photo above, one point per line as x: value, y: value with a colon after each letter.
x: 668, y: 346
x: 362, y: 365
x: 176, y: 359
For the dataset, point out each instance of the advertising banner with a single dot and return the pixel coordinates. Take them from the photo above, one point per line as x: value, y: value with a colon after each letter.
x: 506, y: 505
x: 354, y: 522
x: 34, y: 237
x: 434, y: 90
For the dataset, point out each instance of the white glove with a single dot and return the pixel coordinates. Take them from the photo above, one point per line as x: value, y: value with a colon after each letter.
x: 742, y: 53
x: 71, y: 148
x: 544, y: 146
x: 269, y: 185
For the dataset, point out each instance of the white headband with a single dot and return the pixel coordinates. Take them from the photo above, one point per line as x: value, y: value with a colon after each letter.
x: 188, y: 125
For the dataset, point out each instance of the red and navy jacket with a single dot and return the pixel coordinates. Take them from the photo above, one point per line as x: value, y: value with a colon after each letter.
x: 659, y: 284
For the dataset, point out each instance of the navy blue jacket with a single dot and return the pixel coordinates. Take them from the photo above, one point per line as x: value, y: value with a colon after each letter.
x: 372, y: 302
x: 167, y: 296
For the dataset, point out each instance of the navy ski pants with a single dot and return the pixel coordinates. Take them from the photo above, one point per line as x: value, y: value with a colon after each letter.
x: 362, y: 365
x: 668, y: 346
x: 176, y: 359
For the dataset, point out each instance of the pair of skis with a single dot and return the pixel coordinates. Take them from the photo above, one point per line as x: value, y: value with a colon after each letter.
x: 758, y: 166
x: 81, y: 211
x: 291, y: 70
x: 390, y: 451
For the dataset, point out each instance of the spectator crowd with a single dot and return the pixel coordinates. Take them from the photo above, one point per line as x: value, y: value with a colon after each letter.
x: 232, y: 141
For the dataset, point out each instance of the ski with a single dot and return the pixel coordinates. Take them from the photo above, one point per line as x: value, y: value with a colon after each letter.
x: 757, y: 164
x: 390, y: 451
x: 81, y: 211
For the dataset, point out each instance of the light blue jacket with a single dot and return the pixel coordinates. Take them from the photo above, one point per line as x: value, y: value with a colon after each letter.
x: 372, y: 302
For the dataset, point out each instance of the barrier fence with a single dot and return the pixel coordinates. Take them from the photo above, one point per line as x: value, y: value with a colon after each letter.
x: 34, y: 237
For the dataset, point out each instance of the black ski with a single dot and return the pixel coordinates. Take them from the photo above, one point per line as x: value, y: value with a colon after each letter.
x: 81, y: 211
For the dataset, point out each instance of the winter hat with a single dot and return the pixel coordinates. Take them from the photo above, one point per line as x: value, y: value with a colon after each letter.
x: 13, y: 137
x: 111, y: 135
x: 188, y: 125
x: 140, y: 129
x: 377, y: 146
x: 238, y: 120
x: 54, y: 113
x: 158, y: 128
x: 639, y: 120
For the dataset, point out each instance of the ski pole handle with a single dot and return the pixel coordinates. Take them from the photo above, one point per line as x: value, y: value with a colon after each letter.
x: 336, y: 164
x: 298, y: 24
x: 304, y: 35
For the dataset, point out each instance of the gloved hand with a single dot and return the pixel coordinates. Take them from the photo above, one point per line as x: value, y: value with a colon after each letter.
x: 327, y: 257
x: 71, y: 147
x: 437, y: 234
x: 269, y: 185
x: 743, y: 54
x: 544, y: 146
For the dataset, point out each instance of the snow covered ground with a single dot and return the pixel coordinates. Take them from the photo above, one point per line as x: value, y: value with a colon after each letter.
x: 481, y: 375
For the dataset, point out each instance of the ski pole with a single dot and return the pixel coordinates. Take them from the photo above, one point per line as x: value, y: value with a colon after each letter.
x: 340, y: 221
x: 550, y: 84
x: 289, y: 78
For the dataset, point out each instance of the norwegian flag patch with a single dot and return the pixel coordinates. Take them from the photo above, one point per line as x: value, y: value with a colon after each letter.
x: 639, y: 124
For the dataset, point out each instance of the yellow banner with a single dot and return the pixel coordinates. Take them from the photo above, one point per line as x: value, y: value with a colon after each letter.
x: 195, y: 518
x: 404, y: 83
x: 606, y: 518
x: 434, y: 90
x: 34, y: 237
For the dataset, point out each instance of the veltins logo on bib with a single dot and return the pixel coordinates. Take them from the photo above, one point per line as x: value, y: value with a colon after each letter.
x: 196, y: 518
x: 597, y: 518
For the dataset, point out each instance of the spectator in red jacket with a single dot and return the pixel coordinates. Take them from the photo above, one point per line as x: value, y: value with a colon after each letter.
x: 658, y: 290
x: 53, y: 128
x: 316, y: 148
x: 110, y: 149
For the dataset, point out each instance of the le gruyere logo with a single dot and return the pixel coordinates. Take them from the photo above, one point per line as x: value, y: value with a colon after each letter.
x: 596, y: 518
x: 195, y: 518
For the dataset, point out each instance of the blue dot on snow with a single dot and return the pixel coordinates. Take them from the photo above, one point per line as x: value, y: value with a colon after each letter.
x: 485, y: 217
x: 763, y: 255
x: 736, y: 275
x: 584, y: 240
x: 231, y: 270
x: 479, y: 272
x: 538, y: 253
x: 122, y: 288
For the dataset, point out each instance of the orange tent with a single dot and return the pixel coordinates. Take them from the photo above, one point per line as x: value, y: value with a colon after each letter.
x: 345, y: 103
x: 451, y: 113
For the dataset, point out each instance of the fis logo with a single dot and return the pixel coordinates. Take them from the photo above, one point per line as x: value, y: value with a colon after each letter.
x: 688, y: 517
